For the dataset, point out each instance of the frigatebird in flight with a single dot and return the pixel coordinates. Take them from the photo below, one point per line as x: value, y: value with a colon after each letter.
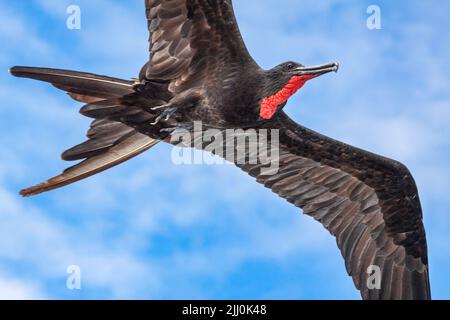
x: 200, y: 70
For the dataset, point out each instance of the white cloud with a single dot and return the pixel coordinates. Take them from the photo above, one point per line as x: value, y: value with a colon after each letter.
x: 13, y: 289
x: 51, y: 245
x: 20, y: 34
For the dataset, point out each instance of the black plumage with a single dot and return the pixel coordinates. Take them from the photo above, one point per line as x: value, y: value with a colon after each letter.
x: 200, y: 70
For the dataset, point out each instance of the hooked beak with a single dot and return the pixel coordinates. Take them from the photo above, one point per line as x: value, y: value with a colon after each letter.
x: 316, y: 71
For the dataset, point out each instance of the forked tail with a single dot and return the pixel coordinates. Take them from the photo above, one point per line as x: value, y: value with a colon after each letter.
x: 110, y: 143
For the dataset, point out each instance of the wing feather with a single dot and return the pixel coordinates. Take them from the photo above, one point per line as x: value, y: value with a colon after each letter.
x: 191, y: 37
x: 369, y: 203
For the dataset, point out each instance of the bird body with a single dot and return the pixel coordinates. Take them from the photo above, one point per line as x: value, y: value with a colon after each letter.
x: 200, y: 70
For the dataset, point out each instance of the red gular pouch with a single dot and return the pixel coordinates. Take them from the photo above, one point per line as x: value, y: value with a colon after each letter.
x: 270, y: 105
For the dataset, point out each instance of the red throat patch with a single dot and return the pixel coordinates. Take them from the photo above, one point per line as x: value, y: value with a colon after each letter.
x: 269, y: 105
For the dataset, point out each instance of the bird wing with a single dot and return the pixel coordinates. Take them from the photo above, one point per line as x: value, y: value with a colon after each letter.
x: 369, y: 203
x: 191, y: 37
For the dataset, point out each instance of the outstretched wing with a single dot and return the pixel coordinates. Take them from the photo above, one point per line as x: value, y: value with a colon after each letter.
x: 190, y: 37
x: 369, y: 203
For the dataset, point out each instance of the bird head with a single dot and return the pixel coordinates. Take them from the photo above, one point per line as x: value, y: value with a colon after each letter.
x: 285, y: 80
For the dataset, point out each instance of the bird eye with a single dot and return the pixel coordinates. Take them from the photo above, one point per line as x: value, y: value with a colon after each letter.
x: 289, y: 66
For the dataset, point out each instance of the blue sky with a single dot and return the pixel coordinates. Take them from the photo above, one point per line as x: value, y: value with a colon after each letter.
x: 153, y: 230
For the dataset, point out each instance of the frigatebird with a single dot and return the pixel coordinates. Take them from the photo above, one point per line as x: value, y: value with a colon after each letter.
x: 200, y: 70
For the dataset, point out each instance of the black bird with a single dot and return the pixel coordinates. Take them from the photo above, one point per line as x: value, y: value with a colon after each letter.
x: 200, y: 70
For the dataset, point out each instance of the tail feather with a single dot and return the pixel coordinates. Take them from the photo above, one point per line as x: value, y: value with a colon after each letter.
x: 124, y: 151
x: 77, y: 83
x: 110, y: 141
x: 104, y: 109
x: 83, y: 98
x: 108, y: 135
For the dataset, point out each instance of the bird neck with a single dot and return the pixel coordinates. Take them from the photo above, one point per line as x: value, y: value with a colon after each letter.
x: 270, y: 104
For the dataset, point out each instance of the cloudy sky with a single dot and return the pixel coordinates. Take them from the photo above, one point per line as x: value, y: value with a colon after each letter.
x: 152, y: 229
